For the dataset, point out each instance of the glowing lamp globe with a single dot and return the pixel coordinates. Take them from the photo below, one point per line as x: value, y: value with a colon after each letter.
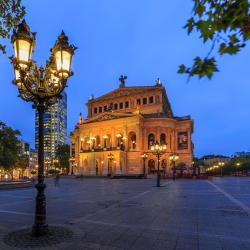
x: 24, y: 43
x: 62, y: 53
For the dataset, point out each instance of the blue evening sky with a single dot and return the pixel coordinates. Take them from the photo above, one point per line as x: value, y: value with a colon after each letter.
x: 142, y: 39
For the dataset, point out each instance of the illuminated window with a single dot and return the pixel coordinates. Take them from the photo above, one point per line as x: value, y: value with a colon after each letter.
x: 163, y: 138
x: 151, y: 140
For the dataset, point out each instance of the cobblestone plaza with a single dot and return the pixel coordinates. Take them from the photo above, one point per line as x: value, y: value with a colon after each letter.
x: 134, y: 214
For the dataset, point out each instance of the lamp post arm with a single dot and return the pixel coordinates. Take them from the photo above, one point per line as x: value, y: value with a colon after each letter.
x: 36, y: 83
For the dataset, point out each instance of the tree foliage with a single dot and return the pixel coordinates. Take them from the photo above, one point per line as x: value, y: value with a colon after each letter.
x: 63, y: 155
x: 22, y: 162
x: 225, y: 24
x: 9, y: 146
x: 11, y: 13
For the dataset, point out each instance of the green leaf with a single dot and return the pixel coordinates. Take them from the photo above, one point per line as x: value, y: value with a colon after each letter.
x: 200, y: 9
x: 215, y: 20
x: 206, y: 29
x: 189, y: 26
x: 182, y: 69
x: 201, y: 68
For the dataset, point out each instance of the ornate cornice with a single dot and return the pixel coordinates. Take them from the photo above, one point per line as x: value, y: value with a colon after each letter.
x: 125, y: 91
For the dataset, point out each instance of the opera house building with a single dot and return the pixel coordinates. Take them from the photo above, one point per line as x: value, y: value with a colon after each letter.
x: 122, y: 125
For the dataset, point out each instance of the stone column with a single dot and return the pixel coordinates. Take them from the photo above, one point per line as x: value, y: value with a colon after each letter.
x: 175, y: 133
x: 101, y: 138
x: 113, y: 138
x: 92, y: 165
x: 126, y: 135
x: 104, y: 166
x: 169, y: 141
x: 158, y: 134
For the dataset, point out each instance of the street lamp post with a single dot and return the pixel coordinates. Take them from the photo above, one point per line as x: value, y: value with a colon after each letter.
x: 110, y: 158
x: 158, y: 150
x: 43, y: 87
x: 194, y: 168
x: 144, y: 156
x: 237, y: 166
x: 173, y: 158
x: 221, y: 164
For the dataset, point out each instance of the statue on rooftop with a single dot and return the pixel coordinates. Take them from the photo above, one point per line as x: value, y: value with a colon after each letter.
x: 122, y: 80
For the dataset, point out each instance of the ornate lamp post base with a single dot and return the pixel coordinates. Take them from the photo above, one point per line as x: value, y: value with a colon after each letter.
x: 40, y: 230
x: 40, y: 226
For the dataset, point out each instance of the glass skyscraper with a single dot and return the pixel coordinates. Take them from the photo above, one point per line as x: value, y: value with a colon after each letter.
x: 55, y: 127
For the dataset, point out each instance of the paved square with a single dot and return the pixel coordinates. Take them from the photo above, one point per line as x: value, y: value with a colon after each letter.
x: 134, y: 214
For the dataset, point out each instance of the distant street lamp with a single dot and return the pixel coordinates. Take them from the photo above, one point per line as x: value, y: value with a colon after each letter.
x: 144, y: 156
x: 110, y: 158
x: 221, y: 164
x: 238, y: 165
x: 42, y: 87
x: 194, y: 168
x: 158, y: 150
x: 173, y: 158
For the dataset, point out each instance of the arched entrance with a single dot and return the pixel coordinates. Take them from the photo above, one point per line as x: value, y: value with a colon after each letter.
x: 151, y: 166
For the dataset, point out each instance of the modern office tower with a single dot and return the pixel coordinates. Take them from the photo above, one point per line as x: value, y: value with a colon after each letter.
x: 24, y: 148
x: 33, y: 159
x: 55, y: 127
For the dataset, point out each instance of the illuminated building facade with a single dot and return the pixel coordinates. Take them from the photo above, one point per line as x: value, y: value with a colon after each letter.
x: 55, y: 127
x: 123, y: 124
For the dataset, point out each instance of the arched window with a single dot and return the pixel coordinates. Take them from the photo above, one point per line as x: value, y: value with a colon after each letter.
x: 132, y: 140
x: 86, y: 143
x: 151, y: 166
x: 118, y: 140
x: 151, y: 140
x: 163, y: 139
